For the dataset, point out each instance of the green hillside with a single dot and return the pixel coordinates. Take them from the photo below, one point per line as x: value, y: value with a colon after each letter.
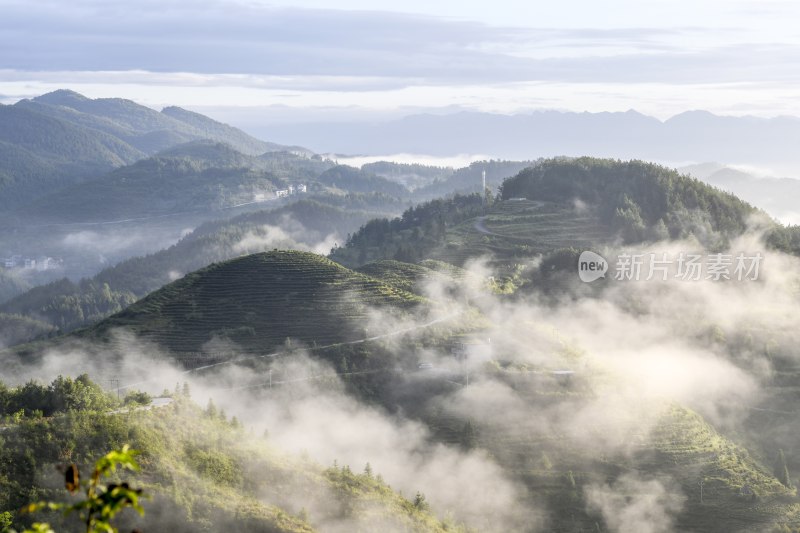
x: 211, y: 129
x: 639, y: 200
x: 201, y: 471
x: 196, y: 176
x: 143, y: 127
x: 41, y: 153
x: 556, y: 203
x: 258, y: 302
x: 408, y: 276
x: 356, y: 180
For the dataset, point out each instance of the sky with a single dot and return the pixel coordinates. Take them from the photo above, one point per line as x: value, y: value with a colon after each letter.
x: 310, y: 60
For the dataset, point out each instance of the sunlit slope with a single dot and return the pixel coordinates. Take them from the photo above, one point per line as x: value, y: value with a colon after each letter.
x: 202, y: 472
x: 671, y: 444
x: 410, y: 277
x: 258, y: 302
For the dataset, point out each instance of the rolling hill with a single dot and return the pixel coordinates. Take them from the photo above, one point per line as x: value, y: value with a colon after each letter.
x: 65, y: 305
x: 258, y: 302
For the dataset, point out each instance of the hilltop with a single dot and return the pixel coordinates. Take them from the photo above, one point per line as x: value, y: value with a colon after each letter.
x: 258, y: 302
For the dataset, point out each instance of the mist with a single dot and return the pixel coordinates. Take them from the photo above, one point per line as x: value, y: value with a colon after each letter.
x: 632, y: 350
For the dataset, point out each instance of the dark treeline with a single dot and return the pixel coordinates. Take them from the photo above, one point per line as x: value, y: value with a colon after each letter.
x: 355, y: 180
x: 411, y: 236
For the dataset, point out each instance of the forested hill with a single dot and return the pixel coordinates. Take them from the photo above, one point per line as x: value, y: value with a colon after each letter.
x: 353, y: 179
x: 633, y: 197
x: 553, y: 204
x: 192, y: 176
x: 62, y: 138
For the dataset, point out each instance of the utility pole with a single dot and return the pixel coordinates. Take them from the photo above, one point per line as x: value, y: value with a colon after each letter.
x: 701, y: 491
x: 270, y: 378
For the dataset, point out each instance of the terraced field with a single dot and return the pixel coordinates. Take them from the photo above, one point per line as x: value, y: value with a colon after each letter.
x: 521, y: 228
x: 410, y: 277
x: 740, y: 494
x: 258, y: 302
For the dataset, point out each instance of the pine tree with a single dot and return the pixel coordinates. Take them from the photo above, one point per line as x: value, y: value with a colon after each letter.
x: 419, y: 501
x: 211, y: 409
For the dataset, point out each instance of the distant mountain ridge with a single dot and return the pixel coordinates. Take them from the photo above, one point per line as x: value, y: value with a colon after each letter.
x: 689, y: 136
x: 63, y: 138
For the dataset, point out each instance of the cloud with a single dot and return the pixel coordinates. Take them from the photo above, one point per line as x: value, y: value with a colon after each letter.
x: 374, y: 50
x: 633, y: 505
x: 289, y: 235
x: 636, y: 350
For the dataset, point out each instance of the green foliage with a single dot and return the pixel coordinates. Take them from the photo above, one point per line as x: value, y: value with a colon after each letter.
x: 215, y: 466
x: 204, y: 473
x: 410, y: 237
x: 412, y: 175
x: 6, y: 519
x: 420, y: 502
x: 103, y: 500
x: 137, y: 398
x: 785, y: 238
x: 66, y: 305
x: 11, y: 285
x: 62, y: 395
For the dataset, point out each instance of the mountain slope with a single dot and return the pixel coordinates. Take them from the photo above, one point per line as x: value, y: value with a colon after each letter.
x: 62, y: 138
x: 200, y: 472
x: 258, y: 302
x: 198, y: 175
x: 211, y: 129
x: 143, y: 127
